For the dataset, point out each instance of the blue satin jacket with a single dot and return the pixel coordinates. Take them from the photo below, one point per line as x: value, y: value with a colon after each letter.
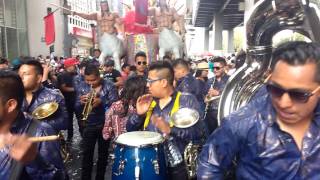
x: 187, y: 84
x: 48, y: 163
x: 108, y: 95
x: 43, y: 95
x: 262, y: 149
x: 181, y: 136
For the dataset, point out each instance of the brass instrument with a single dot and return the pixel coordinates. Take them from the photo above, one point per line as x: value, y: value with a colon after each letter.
x: 45, y: 110
x: 267, y: 19
x: 88, y: 105
x: 185, y: 118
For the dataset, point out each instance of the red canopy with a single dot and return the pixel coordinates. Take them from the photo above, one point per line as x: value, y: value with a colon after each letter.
x: 130, y: 25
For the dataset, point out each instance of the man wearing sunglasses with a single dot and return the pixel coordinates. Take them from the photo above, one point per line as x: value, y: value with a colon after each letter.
x: 276, y: 136
x: 141, y: 64
x: 214, y: 88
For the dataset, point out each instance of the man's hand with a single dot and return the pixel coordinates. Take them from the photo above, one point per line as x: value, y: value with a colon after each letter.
x: 83, y: 99
x: 161, y: 124
x: 96, y: 102
x: 20, y: 148
x: 143, y: 103
x: 213, y: 92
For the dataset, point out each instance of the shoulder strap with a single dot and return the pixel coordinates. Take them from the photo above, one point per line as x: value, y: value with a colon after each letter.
x: 16, y: 167
x: 175, y: 108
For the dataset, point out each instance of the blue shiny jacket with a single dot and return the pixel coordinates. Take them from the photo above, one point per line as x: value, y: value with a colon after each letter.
x: 218, y: 85
x: 262, y: 149
x: 188, y: 84
x: 108, y: 95
x: 43, y: 95
x: 48, y: 163
x: 181, y: 136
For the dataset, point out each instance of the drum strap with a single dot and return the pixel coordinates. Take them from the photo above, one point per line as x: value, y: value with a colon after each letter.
x: 174, y: 109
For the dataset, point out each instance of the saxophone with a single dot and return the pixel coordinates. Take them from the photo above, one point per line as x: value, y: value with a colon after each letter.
x: 268, y: 18
x: 88, y: 105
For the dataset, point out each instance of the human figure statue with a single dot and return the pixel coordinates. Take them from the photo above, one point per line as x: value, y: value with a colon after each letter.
x: 169, y: 41
x: 109, y: 24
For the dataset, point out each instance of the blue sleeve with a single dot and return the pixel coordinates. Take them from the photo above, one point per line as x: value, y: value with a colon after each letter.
x: 48, y: 163
x: 111, y: 96
x: 218, y: 153
x: 59, y: 119
x: 77, y: 105
x: 135, y: 122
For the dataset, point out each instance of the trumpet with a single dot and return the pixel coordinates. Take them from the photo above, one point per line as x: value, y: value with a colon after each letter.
x: 88, y: 105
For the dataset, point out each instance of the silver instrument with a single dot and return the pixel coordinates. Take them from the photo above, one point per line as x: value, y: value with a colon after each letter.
x: 268, y: 18
x: 185, y: 118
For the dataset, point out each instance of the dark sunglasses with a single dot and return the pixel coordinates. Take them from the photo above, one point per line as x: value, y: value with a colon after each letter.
x: 217, y: 68
x: 142, y: 62
x: 298, y: 96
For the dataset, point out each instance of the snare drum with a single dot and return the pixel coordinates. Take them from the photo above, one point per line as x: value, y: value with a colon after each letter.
x: 139, y: 155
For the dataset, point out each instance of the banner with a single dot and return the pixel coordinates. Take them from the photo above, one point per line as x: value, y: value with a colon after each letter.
x: 141, y: 11
x: 49, y: 31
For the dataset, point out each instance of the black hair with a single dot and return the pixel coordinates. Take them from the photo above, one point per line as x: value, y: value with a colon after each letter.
x: 181, y: 62
x: 140, y: 54
x: 166, y: 57
x: 198, y: 73
x: 83, y: 64
x: 91, y: 69
x: 298, y: 53
x: 124, y: 66
x: 11, y: 87
x: 133, y: 88
x: 3, y: 61
x: 220, y: 60
x: 163, y: 65
x: 30, y: 61
x: 97, y: 50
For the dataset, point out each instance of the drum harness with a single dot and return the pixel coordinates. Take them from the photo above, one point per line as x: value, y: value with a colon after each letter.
x: 174, y: 156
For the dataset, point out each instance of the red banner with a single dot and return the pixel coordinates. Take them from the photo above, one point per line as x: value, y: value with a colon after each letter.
x: 49, y: 29
x: 141, y: 11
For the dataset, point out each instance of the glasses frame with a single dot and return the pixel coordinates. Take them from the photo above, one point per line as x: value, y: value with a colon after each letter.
x: 151, y: 81
x: 217, y: 68
x: 292, y: 93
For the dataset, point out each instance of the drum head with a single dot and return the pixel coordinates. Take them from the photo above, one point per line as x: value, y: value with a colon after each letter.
x: 139, y: 138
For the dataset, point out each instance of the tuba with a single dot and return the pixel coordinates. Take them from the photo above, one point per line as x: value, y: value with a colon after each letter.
x: 268, y: 18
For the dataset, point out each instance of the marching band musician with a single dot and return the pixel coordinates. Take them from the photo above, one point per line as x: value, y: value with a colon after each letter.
x: 21, y: 158
x: 214, y: 88
x: 31, y: 72
x: 275, y: 136
x: 106, y: 94
x: 154, y: 109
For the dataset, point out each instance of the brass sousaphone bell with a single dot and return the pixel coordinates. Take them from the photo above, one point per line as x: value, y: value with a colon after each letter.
x: 45, y: 110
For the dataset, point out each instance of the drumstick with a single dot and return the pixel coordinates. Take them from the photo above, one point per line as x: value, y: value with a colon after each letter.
x: 44, y: 138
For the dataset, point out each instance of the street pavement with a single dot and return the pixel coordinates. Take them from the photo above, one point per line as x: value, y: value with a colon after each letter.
x: 73, y: 165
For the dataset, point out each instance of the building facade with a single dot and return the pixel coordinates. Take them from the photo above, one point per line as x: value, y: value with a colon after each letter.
x: 13, y: 29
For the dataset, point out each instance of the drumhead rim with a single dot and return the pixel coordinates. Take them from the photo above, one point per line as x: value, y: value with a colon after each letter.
x: 158, y: 141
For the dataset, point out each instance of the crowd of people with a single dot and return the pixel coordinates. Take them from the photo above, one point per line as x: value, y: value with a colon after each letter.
x: 275, y: 135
